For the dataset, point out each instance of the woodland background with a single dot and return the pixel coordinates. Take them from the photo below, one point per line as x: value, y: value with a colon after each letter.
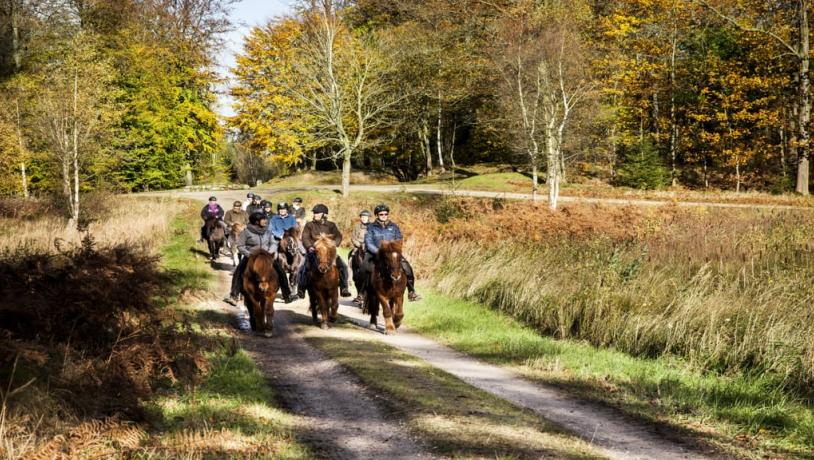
x: 646, y: 93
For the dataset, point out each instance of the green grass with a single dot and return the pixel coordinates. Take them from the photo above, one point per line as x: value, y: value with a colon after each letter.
x: 746, y: 414
x: 230, y: 412
x: 455, y: 419
x: 497, y: 182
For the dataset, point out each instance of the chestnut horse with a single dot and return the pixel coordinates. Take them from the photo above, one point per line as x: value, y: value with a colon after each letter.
x: 289, y: 255
x: 215, y: 236
x: 386, y: 288
x: 323, y: 280
x: 260, y: 286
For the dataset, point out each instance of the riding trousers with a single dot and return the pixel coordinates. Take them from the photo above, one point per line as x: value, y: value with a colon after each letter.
x: 237, y: 278
x: 370, y: 262
x: 302, y: 281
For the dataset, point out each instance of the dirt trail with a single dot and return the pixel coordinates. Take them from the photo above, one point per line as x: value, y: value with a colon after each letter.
x: 339, y: 418
x: 616, y: 435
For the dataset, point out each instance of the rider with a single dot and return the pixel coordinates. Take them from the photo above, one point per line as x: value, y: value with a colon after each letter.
x: 212, y: 209
x: 281, y: 222
x: 297, y: 209
x: 253, y: 237
x: 249, y: 200
x: 358, y: 240
x: 267, y: 208
x: 236, y: 215
x: 255, y: 205
x: 383, y: 229
x: 310, y: 233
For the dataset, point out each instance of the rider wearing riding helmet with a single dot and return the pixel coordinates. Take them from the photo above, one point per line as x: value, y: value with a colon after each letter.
x: 297, y: 209
x: 267, y: 209
x: 357, y: 239
x: 383, y: 229
x: 281, y: 222
x: 236, y: 215
x: 212, y: 209
x: 256, y: 205
x: 256, y: 237
x: 310, y: 233
x: 249, y: 200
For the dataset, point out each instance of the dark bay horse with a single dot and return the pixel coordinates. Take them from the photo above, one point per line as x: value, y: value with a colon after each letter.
x: 323, y: 281
x: 357, y: 260
x: 386, y: 288
x: 215, y: 236
x: 260, y: 286
x: 289, y: 256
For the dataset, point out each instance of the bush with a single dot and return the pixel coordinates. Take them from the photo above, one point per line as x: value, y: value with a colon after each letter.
x: 642, y: 168
x: 447, y: 210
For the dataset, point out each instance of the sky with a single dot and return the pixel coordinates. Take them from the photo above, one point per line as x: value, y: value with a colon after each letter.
x: 245, y: 15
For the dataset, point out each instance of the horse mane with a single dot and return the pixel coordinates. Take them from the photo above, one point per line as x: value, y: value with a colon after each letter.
x: 325, y: 240
x: 390, y: 246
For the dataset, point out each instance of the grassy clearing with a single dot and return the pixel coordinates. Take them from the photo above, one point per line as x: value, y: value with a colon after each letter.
x: 330, y: 178
x: 455, y: 419
x: 747, y: 414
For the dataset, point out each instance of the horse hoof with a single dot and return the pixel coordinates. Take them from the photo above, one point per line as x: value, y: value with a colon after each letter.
x: 324, y: 326
x: 372, y: 326
x: 267, y: 334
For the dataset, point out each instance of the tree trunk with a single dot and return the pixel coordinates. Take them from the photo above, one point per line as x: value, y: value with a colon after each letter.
x: 189, y: 179
x: 16, y: 49
x: 74, y: 221
x: 424, y: 133
x: 534, y: 180
x: 439, y: 143
x: 673, y: 124
x: 24, y: 177
x: 553, y: 180
x: 783, y: 147
x: 452, y: 149
x: 737, y: 176
x: 346, y: 156
x: 21, y: 147
x: 314, y: 160
x: 804, y: 102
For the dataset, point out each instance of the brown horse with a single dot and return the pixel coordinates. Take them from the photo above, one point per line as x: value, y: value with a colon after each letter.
x: 289, y: 255
x: 386, y: 288
x: 357, y: 261
x: 260, y: 286
x: 215, y: 236
x: 323, y: 281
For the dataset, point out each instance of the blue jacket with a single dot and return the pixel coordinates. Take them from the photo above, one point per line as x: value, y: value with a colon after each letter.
x: 280, y: 224
x: 376, y: 233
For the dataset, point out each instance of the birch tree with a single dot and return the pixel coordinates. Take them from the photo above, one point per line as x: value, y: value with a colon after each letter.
x: 74, y: 109
x: 343, y: 82
x: 543, y: 74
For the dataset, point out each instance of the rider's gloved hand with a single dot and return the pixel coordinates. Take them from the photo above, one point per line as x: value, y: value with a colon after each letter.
x: 312, y: 249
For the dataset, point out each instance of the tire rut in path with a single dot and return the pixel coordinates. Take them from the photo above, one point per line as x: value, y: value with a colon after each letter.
x: 338, y: 417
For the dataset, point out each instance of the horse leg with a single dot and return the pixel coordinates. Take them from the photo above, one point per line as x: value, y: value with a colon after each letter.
x: 269, y: 317
x: 389, y: 327
x: 312, y: 305
x: 398, y: 310
x: 260, y: 315
x: 322, y: 301
x: 248, y: 300
x: 334, y: 305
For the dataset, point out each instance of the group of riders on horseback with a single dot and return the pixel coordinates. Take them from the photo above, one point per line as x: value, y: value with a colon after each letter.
x: 252, y: 226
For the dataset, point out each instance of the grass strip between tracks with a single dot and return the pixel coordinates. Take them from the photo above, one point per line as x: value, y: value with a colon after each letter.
x: 731, y: 412
x: 231, y: 411
x: 454, y: 418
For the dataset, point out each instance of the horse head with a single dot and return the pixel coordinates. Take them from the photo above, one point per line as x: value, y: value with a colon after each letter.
x: 325, y: 251
x: 289, y: 243
x: 390, y: 258
x: 263, y: 272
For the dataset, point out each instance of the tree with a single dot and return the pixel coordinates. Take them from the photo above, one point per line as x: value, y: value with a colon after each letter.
x: 74, y: 109
x: 542, y: 83
x: 344, y: 84
x: 786, y: 26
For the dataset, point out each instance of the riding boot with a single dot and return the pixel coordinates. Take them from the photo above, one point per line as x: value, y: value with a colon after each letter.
x: 408, y: 270
x: 203, y: 233
x: 237, y: 278
x: 343, y: 277
x: 285, y: 288
x: 302, y: 279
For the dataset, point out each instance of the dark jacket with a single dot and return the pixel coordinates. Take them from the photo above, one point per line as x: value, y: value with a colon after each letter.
x: 205, y: 212
x: 298, y: 213
x: 313, y: 228
x: 253, y: 208
x: 378, y: 232
x: 253, y: 237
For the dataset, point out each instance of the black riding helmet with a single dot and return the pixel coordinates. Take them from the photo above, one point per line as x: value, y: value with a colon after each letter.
x: 256, y: 217
x: 212, y: 198
x: 320, y: 208
x: 297, y: 200
x: 250, y: 195
x: 265, y: 203
x: 381, y: 208
x: 364, y: 213
x: 282, y: 205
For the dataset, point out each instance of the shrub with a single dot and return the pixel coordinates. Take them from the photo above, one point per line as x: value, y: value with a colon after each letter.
x: 641, y: 167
